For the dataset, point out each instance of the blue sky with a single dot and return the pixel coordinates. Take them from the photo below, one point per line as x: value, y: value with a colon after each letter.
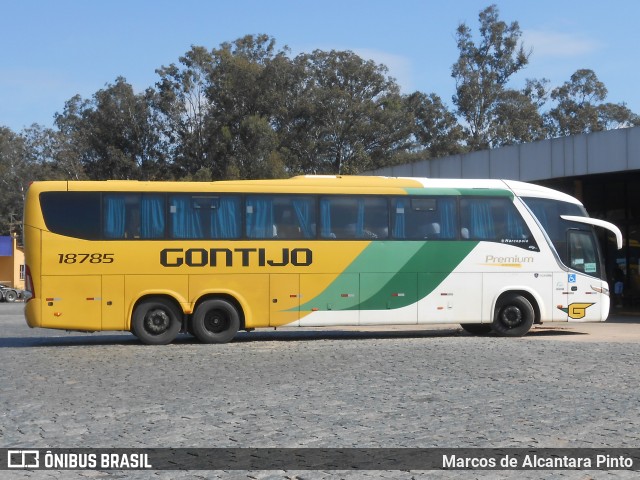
x: 52, y: 50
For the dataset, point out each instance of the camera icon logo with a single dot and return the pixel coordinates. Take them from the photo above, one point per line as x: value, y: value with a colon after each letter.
x: 23, y: 459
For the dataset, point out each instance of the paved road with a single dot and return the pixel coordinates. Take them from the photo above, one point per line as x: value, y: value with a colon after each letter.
x: 429, y: 387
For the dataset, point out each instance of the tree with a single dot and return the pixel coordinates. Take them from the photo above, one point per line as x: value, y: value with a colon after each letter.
x: 113, y: 133
x: 580, y: 107
x: 518, y: 115
x: 349, y: 115
x: 242, y: 127
x: 219, y: 108
x: 182, y: 106
x: 11, y: 170
x: 482, y: 73
x: 436, y: 129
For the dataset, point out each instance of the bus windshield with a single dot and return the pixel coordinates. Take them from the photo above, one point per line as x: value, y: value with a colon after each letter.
x: 549, y: 212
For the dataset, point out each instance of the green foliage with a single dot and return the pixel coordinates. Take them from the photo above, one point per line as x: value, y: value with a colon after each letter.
x: 436, y: 129
x: 348, y: 117
x: 580, y: 107
x: 482, y: 73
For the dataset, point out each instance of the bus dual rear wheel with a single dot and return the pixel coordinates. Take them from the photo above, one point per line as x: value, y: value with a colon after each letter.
x: 156, y: 321
x: 514, y: 316
x: 215, y: 321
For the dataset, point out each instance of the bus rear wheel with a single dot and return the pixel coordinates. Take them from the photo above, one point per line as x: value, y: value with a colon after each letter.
x: 514, y: 316
x: 156, y: 321
x: 215, y: 321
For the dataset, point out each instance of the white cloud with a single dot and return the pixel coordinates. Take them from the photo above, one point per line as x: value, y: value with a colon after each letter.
x: 546, y: 43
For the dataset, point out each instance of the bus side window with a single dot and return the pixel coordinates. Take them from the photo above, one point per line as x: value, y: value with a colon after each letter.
x: 354, y: 217
x: 494, y: 220
x: 420, y: 218
x: 204, y: 216
x: 130, y: 216
x: 259, y: 217
x: 121, y: 216
x: 74, y: 214
x: 583, y: 252
x: 295, y: 216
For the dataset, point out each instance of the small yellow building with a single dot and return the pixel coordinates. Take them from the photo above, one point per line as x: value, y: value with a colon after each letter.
x: 11, y: 263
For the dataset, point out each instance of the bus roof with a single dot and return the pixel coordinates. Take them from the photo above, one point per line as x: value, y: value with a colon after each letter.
x: 311, y: 184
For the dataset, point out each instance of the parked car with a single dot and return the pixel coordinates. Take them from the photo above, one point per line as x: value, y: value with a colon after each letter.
x: 8, y: 294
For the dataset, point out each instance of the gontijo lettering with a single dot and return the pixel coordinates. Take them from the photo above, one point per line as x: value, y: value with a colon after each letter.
x: 214, y: 257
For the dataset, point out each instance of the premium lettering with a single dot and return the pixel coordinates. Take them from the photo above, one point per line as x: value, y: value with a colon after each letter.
x: 227, y: 257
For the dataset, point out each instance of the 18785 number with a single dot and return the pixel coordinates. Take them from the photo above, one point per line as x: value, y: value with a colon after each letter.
x: 85, y: 257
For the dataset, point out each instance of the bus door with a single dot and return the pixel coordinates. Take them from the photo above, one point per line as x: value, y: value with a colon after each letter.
x: 584, y: 278
x: 72, y: 302
x: 284, y: 298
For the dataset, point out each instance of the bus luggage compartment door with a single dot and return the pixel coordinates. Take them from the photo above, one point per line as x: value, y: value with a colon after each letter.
x: 388, y: 298
x: 329, y: 299
x: 72, y: 302
x: 113, y: 315
x: 284, y: 298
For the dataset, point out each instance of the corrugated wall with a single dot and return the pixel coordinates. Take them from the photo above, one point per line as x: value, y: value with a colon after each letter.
x: 601, y: 152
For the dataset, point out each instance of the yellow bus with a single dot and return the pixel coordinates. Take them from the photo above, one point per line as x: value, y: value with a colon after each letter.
x: 211, y: 259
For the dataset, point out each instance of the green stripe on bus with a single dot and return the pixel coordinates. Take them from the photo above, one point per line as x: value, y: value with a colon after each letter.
x: 375, y: 287
x: 461, y: 192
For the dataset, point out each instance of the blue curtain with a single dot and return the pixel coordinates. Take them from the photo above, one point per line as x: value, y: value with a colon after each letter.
x: 302, y: 207
x: 399, y: 218
x: 185, y: 222
x: 515, y: 227
x: 447, y: 209
x: 259, y: 217
x: 152, y: 216
x: 325, y: 218
x: 225, y: 221
x: 114, y: 216
x: 481, y: 220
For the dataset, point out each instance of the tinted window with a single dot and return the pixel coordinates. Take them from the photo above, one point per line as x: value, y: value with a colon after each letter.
x: 74, y: 214
x: 417, y: 218
x: 548, y: 214
x: 280, y: 216
x: 494, y: 220
x: 344, y: 217
x: 129, y: 216
x: 204, y: 216
x: 583, y: 252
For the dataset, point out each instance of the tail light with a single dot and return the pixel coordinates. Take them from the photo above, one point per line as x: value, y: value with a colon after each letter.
x: 28, y: 283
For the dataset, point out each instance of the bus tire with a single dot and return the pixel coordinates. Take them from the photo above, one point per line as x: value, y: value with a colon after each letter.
x: 514, y: 316
x: 156, y: 321
x: 476, y: 328
x: 215, y: 321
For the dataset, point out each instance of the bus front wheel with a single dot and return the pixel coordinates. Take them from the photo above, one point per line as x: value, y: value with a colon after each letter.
x: 514, y: 316
x: 156, y: 321
x: 215, y: 321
